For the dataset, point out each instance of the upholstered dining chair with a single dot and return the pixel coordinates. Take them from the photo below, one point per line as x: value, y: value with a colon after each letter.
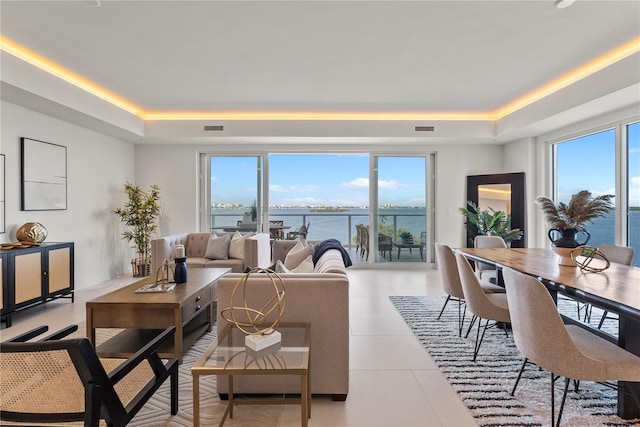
x: 564, y: 350
x: 448, y: 267
x: 482, y: 305
x: 483, y: 269
x: 618, y: 254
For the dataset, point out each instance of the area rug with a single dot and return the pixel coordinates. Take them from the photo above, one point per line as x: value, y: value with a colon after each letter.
x: 484, y: 385
x: 156, y: 411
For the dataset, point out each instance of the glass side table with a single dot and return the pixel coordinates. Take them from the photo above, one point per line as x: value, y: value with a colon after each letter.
x: 227, y: 355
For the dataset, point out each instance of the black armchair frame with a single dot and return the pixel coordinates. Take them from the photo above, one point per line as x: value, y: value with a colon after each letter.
x: 100, y: 396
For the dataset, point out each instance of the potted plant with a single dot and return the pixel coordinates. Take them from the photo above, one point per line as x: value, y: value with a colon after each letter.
x: 565, y: 220
x: 139, y: 216
x: 490, y: 222
x: 406, y: 237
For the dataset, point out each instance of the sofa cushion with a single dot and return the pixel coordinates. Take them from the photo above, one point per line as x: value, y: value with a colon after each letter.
x: 297, y: 254
x: 217, y: 248
x: 306, y: 266
x: 236, y: 265
x: 236, y: 245
x: 196, y: 244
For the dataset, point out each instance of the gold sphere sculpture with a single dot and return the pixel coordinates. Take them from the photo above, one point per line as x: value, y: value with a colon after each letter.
x: 262, y: 320
x: 32, y: 232
x: 583, y: 256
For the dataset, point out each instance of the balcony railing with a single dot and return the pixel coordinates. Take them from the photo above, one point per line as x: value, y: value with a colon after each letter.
x: 337, y: 225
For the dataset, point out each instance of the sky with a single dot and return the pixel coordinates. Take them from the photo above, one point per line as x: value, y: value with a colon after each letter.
x: 314, y: 180
x: 588, y: 163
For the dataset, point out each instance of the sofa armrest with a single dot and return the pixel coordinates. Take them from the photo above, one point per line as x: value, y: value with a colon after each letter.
x: 257, y: 251
x: 165, y: 248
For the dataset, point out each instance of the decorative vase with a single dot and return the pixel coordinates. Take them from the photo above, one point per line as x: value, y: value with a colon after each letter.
x: 566, y: 237
x: 32, y: 232
x: 564, y: 242
x: 180, y: 272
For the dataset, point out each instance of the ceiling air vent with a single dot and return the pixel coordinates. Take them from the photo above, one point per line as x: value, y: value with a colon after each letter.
x: 425, y: 128
x: 213, y: 128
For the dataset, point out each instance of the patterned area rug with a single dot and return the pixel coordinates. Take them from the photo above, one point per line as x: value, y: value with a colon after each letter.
x: 156, y: 412
x: 484, y: 385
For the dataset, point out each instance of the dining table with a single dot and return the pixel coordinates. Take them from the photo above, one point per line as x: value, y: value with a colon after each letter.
x: 616, y: 289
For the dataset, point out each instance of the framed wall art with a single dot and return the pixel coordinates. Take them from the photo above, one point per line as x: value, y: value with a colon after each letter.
x: 44, y: 176
x: 2, y: 197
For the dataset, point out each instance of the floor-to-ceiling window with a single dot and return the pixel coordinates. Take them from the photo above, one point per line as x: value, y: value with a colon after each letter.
x: 604, y: 162
x: 589, y: 163
x: 327, y: 193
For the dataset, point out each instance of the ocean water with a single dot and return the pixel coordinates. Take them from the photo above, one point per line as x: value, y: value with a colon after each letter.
x: 342, y: 225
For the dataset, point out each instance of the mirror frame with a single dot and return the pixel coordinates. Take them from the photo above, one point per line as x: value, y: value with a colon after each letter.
x: 517, y: 200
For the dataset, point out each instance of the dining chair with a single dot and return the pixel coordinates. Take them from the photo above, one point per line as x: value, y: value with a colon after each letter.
x: 487, y: 306
x: 448, y: 267
x: 564, y: 350
x: 482, y: 268
x: 618, y: 254
x: 276, y: 233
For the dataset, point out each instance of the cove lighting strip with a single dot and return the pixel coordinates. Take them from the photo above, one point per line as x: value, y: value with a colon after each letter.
x: 579, y: 73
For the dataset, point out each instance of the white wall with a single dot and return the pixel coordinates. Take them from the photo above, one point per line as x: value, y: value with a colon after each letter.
x: 175, y: 169
x: 97, y: 167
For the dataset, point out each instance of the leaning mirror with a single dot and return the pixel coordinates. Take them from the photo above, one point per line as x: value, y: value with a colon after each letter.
x: 501, y: 192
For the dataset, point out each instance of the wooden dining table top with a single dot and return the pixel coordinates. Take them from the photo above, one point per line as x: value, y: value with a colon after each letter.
x: 619, y: 284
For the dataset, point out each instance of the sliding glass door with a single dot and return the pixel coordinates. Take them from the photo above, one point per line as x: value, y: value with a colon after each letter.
x: 235, y: 193
x: 400, y: 215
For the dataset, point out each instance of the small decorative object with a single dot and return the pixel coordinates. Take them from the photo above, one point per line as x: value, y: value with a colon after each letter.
x: 163, y: 273
x: 31, y: 232
x: 490, y: 222
x: 139, y: 215
x: 585, y: 256
x: 261, y: 323
x: 180, y: 273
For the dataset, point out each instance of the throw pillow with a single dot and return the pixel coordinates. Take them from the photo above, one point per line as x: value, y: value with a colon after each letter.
x: 306, y: 266
x: 297, y: 254
x: 236, y: 245
x: 217, y: 248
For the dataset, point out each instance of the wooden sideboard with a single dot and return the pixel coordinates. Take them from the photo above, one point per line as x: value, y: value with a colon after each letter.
x: 34, y: 276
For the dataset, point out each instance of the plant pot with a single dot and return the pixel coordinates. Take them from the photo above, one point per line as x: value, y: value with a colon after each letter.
x: 140, y: 269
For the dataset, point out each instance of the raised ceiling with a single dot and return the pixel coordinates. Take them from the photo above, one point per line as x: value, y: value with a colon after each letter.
x: 320, y: 56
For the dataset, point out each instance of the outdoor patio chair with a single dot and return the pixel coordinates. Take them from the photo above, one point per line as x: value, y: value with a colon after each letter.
x: 61, y: 381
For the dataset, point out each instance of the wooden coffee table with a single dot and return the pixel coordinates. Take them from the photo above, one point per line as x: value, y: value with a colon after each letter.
x: 142, y: 315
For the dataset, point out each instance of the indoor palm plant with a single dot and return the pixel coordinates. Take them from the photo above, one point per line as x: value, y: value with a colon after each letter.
x: 490, y: 222
x: 139, y: 216
x: 567, y: 219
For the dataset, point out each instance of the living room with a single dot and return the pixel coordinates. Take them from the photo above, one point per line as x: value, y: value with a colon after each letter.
x: 108, y: 145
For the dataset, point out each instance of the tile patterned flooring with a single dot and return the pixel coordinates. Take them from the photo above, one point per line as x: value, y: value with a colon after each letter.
x: 393, y: 380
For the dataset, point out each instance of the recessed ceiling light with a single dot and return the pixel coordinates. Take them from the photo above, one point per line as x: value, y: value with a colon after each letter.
x: 561, y: 4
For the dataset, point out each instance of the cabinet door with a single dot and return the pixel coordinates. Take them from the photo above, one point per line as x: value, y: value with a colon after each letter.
x: 59, y: 269
x: 28, y: 276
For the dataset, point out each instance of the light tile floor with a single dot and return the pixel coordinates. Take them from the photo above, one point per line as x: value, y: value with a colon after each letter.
x: 393, y: 380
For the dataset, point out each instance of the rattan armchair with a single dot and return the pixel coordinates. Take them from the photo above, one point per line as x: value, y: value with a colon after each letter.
x: 63, y: 381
